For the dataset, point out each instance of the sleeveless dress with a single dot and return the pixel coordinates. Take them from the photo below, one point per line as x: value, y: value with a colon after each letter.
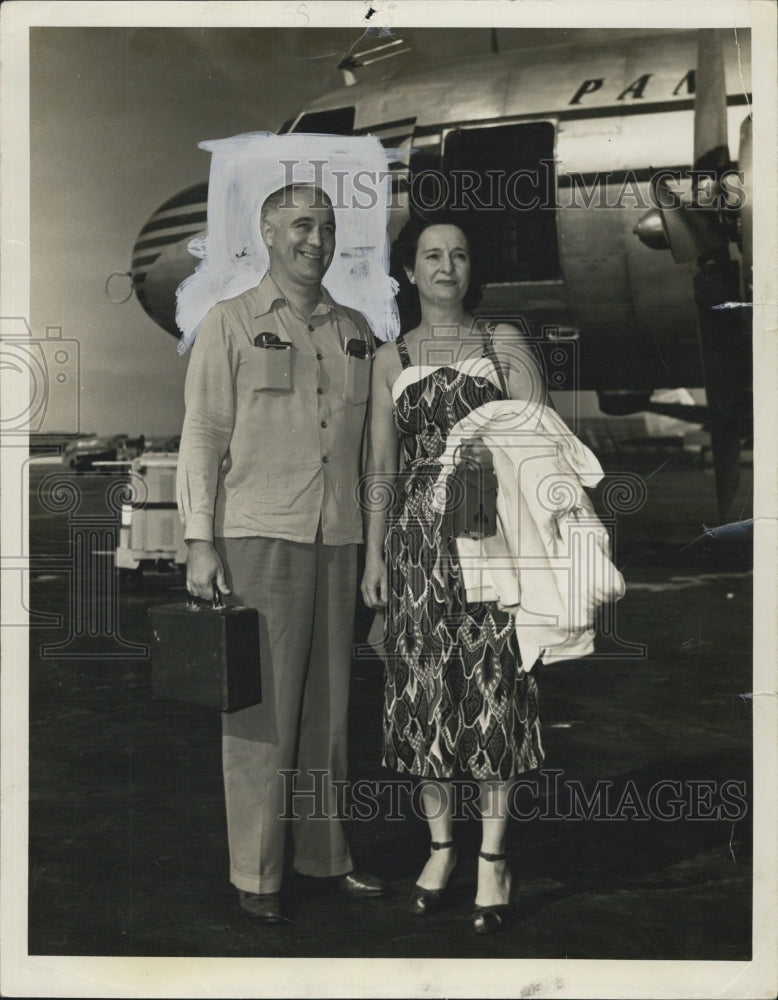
x: 457, y: 702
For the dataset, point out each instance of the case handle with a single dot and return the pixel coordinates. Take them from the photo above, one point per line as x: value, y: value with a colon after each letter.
x: 191, y: 600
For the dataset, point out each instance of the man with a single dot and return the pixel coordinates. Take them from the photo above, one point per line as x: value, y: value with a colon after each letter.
x: 276, y: 395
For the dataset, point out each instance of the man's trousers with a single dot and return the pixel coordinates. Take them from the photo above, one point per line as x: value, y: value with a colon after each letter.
x: 305, y: 595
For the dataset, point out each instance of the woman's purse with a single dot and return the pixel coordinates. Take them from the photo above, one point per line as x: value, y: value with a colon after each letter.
x: 472, y: 492
x: 472, y: 488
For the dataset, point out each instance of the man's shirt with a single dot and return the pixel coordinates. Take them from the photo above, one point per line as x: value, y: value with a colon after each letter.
x: 272, y: 437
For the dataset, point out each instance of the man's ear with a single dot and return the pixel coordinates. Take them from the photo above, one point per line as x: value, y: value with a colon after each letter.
x: 266, y: 228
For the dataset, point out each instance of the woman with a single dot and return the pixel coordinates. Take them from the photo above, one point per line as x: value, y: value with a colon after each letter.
x: 458, y: 702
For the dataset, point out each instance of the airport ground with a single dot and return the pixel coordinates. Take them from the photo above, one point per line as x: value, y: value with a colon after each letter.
x: 127, y: 849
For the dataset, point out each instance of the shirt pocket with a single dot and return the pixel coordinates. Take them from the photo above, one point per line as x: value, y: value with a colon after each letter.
x: 270, y: 369
x: 356, y: 383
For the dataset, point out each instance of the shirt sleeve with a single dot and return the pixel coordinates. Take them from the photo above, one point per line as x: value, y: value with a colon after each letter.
x: 208, y: 424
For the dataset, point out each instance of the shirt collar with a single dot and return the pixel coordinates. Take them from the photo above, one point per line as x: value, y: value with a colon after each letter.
x: 267, y: 293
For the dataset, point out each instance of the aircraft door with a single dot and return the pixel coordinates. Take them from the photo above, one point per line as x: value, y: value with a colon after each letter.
x: 502, y: 178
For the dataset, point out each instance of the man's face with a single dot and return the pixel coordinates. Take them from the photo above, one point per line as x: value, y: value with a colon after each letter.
x: 301, y: 238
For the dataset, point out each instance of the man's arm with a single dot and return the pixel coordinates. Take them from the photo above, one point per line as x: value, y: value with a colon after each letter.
x: 380, y: 478
x: 208, y: 424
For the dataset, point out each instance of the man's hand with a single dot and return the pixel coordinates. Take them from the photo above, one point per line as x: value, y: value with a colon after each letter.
x: 203, y: 567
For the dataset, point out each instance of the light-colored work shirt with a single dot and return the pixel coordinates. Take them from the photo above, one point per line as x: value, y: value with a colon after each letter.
x: 272, y: 437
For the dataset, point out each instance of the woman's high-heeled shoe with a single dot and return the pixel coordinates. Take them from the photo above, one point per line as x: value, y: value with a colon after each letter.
x: 490, y: 919
x: 425, y: 902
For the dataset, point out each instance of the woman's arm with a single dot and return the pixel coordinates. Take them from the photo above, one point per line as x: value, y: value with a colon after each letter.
x: 381, y: 473
x: 520, y: 364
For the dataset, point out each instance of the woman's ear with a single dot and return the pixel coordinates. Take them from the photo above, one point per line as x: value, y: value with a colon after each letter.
x: 409, y: 275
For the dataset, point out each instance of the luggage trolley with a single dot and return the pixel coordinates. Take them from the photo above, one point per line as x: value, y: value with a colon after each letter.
x: 151, y: 532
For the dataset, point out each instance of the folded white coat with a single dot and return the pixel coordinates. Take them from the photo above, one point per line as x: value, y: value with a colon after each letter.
x: 549, y: 563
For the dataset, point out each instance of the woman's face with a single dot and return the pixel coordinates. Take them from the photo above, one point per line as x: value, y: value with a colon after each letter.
x: 441, y: 271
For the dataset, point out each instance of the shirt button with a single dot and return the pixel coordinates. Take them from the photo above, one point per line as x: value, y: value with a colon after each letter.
x: 319, y: 357
x: 324, y: 458
x: 311, y: 327
x: 324, y: 423
x: 320, y: 391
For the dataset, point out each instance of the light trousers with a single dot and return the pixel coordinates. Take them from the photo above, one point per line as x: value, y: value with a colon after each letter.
x: 305, y: 595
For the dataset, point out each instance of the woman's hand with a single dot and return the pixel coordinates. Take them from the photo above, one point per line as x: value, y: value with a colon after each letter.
x: 375, y: 583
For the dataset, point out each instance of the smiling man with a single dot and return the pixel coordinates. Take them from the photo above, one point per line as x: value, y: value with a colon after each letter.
x: 276, y: 395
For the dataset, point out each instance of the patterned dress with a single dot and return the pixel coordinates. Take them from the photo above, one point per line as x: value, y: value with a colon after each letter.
x: 457, y: 701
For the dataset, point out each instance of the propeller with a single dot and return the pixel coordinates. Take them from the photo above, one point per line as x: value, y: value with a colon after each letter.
x: 726, y: 355
x: 701, y: 230
x: 710, y: 103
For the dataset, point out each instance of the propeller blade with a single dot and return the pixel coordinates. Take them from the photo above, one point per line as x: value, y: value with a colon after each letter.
x: 727, y: 370
x: 710, y: 103
x: 725, y: 349
x: 725, y: 439
x: 746, y: 217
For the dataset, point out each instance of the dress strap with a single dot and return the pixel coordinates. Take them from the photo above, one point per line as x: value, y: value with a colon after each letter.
x: 402, y: 350
x: 487, y: 335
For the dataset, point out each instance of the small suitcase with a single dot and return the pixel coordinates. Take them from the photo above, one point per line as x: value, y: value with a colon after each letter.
x: 206, y: 655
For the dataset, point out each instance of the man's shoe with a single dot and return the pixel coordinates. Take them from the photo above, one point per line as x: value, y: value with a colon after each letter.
x: 264, y: 907
x: 361, y: 884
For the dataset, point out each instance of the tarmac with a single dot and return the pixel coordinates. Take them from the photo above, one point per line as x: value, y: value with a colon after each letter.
x: 650, y: 738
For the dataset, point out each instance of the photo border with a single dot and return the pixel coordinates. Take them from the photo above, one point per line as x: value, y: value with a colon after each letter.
x: 77, y: 976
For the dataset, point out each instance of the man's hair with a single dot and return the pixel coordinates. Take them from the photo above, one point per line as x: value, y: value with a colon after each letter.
x: 284, y: 198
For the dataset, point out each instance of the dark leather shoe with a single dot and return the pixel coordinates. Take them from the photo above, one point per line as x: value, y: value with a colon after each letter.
x: 361, y: 884
x: 426, y: 902
x: 490, y: 919
x: 264, y: 907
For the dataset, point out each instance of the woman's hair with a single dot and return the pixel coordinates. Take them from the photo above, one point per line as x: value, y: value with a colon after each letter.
x: 404, y: 255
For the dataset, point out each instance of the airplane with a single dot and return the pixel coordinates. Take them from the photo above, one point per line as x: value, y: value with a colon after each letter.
x: 607, y: 190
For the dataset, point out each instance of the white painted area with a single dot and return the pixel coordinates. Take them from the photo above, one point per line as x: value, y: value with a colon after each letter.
x: 353, y: 171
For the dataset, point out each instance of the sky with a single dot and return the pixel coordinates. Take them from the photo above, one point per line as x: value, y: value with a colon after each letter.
x: 115, y: 118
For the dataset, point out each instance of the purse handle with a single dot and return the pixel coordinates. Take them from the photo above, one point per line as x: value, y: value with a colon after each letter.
x: 487, y: 335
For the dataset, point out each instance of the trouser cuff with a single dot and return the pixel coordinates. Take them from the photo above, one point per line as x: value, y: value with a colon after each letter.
x: 319, y: 869
x: 255, y: 883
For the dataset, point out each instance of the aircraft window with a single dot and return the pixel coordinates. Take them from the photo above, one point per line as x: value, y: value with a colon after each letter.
x: 503, y: 179
x: 339, y: 121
